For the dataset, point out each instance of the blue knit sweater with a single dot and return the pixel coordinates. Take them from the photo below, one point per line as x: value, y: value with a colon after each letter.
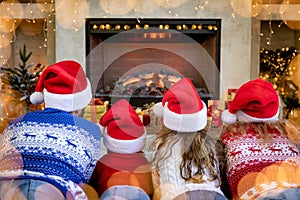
x: 51, y: 145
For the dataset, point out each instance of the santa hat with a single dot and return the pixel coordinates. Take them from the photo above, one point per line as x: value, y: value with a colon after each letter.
x: 255, y: 101
x: 182, y: 108
x: 63, y: 86
x: 123, y: 130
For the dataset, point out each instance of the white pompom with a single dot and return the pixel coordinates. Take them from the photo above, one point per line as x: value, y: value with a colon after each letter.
x: 228, y: 117
x: 158, y: 109
x: 37, y: 98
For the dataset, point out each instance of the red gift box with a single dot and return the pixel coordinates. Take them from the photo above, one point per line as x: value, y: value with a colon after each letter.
x: 214, y: 111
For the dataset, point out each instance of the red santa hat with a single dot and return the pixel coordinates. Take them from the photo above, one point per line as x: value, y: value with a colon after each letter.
x: 64, y: 86
x: 182, y: 108
x: 255, y: 101
x: 123, y: 130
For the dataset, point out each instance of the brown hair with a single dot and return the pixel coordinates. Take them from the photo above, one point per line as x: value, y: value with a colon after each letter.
x: 263, y: 129
x: 286, y: 128
x: 201, y: 150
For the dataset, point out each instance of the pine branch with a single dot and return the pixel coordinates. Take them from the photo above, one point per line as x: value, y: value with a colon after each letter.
x: 21, y: 78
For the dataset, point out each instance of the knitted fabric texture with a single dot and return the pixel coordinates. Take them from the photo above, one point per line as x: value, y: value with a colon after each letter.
x: 249, y: 154
x: 122, y: 169
x: 168, y: 181
x: 52, y: 144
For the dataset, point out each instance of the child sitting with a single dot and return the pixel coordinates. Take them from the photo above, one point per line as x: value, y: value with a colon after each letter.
x: 124, y: 165
x: 51, y: 153
x: 185, y: 154
x: 261, y: 160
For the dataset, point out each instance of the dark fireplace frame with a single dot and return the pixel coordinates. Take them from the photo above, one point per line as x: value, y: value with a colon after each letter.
x: 105, y: 28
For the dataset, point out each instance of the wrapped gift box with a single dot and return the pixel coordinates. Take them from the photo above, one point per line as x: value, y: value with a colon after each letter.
x: 95, y: 110
x: 231, y: 94
x: 150, y: 120
x: 214, y: 111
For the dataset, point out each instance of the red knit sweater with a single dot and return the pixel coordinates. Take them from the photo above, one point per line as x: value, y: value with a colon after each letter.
x: 248, y: 156
x: 122, y: 169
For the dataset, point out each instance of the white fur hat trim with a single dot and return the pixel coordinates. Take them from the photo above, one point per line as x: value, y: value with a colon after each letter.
x: 124, y: 146
x: 228, y: 118
x: 185, y: 122
x: 243, y: 117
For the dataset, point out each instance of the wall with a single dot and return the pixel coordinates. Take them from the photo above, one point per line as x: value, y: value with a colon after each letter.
x: 240, y: 35
x: 32, y: 36
x: 32, y: 24
x: 236, y: 55
x: 282, y: 35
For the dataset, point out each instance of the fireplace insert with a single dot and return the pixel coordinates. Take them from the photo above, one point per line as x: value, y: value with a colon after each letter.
x: 139, y: 59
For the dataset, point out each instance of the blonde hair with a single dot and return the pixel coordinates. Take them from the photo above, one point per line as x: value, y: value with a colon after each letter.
x: 201, y: 151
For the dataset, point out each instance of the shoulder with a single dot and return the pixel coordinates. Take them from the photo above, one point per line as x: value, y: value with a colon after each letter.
x: 92, y: 128
x: 79, y: 121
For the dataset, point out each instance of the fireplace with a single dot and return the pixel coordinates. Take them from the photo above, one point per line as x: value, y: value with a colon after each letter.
x: 139, y: 59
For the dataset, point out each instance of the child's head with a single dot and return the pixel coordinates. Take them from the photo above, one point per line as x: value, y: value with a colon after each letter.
x: 185, y: 118
x: 182, y: 108
x: 255, y: 101
x: 63, y: 86
x: 123, y: 130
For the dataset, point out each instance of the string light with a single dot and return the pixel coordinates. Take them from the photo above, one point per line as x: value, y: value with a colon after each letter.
x: 200, y: 5
x: 254, y: 9
x: 31, y: 12
x: 232, y: 6
x: 179, y: 27
x: 271, y: 32
x: 45, y: 34
x: 74, y: 16
x: 137, y: 11
x: 30, y: 19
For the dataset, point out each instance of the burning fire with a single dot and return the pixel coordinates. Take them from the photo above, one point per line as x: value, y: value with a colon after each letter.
x: 145, y: 83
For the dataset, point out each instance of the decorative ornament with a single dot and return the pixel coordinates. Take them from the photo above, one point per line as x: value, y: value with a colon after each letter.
x: 294, y: 67
x: 32, y: 29
x: 293, y: 24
